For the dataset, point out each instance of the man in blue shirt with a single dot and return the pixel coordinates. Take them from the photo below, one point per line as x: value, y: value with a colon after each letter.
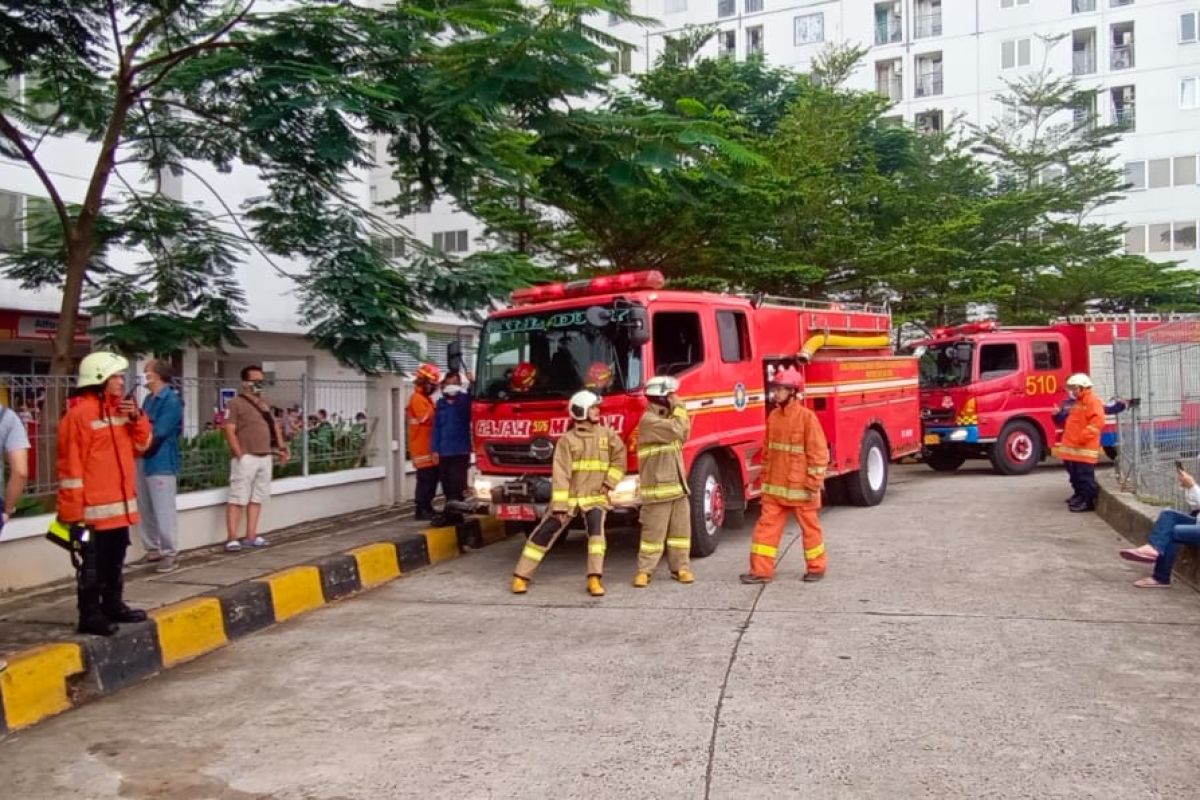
x: 158, y: 469
x: 452, y: 438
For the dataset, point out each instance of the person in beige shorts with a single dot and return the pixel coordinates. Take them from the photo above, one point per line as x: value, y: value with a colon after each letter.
x: 254, y: 438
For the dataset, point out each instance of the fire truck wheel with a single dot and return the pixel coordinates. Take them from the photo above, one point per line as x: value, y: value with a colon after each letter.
x: 868, y: 486
x: 1018, y: 449
x: 708, y: 505
x: 945, y: 460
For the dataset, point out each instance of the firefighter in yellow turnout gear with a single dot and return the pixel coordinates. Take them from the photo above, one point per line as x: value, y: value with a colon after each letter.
x: 589, y: 461
x: 666, y: 513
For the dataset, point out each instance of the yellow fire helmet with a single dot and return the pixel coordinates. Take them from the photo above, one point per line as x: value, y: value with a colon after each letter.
x: 97, y: 368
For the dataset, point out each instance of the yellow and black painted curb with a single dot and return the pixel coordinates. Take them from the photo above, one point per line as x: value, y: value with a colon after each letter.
x: 51, y: 678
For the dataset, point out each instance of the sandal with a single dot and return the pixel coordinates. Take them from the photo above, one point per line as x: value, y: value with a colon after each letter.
x: 233, y: 547
x: 1150, y: 583
x: 1136, y: 554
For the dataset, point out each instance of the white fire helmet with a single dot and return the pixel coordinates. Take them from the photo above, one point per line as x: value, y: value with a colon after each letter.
x: 580, y: 403
x: 1080, y: 380
x: 661, y: 386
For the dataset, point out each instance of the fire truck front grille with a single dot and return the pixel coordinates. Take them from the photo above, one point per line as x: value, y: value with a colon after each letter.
x: 517, y: 455
x: 938, y: 416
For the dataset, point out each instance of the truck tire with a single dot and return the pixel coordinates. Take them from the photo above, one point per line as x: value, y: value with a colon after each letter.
x: 1018, y: 449
x: 708, y: 505
x: 945, y: 460
x: 835, y: 491
x: 868, y: 486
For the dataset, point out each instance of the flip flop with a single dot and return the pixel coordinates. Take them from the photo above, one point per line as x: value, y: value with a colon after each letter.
x: 1150, y: 583
x: 1134, y: 555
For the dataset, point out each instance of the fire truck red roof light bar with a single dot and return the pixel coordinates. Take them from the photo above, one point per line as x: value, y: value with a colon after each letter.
x: 621, y: 282
x: 986, y: 326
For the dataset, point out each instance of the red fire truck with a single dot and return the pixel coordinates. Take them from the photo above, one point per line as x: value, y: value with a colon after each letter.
x: 536, y: 354
x: 989, y: 391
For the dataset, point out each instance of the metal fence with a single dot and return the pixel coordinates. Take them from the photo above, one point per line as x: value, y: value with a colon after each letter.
x: 324, y: 422
x: 1161, y: 368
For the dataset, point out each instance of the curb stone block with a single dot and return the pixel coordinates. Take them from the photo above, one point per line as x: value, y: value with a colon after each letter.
x: 294, y: 591
x: 114, y: 662
x: 377, y: 563
x: 189, y: 629
x: 246, y: 608
x: 35, y: 685
x: 470, y: 534
x: 413, y: 552
x: 442, y: 543
x: 339, y: 576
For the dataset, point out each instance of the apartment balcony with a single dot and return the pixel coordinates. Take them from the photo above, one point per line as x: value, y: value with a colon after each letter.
x: 928, y: 25
x: 1122, y: 57
x: 1082, y: 6
x: 929, y: 84
x: 1124, y: 116
x: 1083, y: 62
x: 888, y: 31
x: 891, y: 87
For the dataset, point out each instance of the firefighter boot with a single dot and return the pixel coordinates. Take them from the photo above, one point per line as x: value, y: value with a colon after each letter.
x: 684, y: 576
x: 520, y: 585
x: 641, y: 580
x: 594, y: 587
x: 91, y: 618
x: 114, y: 603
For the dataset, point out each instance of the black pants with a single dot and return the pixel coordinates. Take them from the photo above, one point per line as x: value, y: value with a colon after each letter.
x: 427, y: 483
x: 1083, y: 481
x: 453, y: 472
x: 100, y: 581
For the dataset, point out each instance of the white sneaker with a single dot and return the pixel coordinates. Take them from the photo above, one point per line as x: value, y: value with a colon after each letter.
x: 167, y: 564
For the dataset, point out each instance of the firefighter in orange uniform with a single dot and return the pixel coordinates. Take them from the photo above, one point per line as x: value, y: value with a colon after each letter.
x: 793, y: 472
x: 420, y: 438
x: 1079, y: 449
x: 97, y: 500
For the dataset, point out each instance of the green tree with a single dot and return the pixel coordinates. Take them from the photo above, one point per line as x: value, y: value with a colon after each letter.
x: 1054, y: 172
x: 157, y: 88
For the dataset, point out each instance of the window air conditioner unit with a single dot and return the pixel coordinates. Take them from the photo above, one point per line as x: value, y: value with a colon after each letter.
x: 899, y: 68
x: 1121, y: 60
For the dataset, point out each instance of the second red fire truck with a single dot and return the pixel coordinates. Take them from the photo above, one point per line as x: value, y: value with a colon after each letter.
x: 612, y: 333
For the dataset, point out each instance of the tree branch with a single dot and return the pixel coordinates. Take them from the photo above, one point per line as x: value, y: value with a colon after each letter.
x: 13, y: 135
x: 168, y: 61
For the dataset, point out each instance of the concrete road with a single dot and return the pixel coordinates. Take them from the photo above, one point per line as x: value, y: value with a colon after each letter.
x: 973, y: 639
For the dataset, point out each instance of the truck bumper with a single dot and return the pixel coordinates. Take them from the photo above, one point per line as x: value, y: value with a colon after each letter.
x: 960, y: 434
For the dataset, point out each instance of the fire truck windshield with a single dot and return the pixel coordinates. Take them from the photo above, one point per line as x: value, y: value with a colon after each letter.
x: 555, y: 354
x: 947, y: 364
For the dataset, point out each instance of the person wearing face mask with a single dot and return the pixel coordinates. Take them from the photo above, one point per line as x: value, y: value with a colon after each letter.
x: 1079, y: 449
x: 99, y: 436
x: 796, y: 455
x: 452, y: 437
x: 254, y: 436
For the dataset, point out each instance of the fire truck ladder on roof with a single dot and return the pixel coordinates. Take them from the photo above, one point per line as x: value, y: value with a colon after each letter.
x: 1136, y: 317
x: 820, y: 305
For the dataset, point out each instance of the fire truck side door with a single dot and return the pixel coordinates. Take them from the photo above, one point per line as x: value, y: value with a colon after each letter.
x: 1000, y: 385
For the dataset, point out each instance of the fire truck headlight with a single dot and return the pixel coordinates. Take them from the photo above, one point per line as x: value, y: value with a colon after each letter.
x: 958, y: 436
x: 626, y: 492
x: 483, y: 489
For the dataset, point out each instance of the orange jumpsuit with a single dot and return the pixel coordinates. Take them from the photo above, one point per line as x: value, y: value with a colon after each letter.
x: 793, y: 472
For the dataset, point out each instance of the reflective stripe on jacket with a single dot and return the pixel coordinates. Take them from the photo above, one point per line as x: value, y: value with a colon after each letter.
x: 1081, y: 435
x: 589, y: 460
x: 661, y: 435
x: 96, y: 471
x: 796, y: 456
x: 420, y: 430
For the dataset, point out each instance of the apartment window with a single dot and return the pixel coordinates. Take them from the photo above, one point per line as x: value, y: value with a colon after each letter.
x: 1123, y: 100
x: 1122, y: 46
x: 1085, y: 111
x: 1189, y: 92
x: 1159, y: 238
x: 1184, y: 235
x: 726, y: 8
x: 613, y: 19
x: 1159, y: 173
x: 1015, y: 53
x: 809, y: 29
x: 675, y: 7
x: 1185, y: 171
x: 754, y: 6
x: 1135, y: 175
x: 754, y: 40
x: 889, y: 80
x: 1082, y: 6
x: 450, y: 241
x: 1083, y: 51
x: 929, y: 121
x: 11, y: 212
x: 1011, y: 3
x: 621, y: 62
x: 1118, y: 3
x: 929, y: 75
x: 929, y: 19
x: 422, y: 206
x: 734, y: 336
x: 726, y: 44
x: 392, y: 247
x: 1188, y: 23
x: 1046, y: 356
x: 888, y: 23
x: 1135, y: 239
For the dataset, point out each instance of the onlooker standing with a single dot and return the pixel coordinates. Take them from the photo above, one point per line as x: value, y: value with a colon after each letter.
x: 14, y: 441
x: 158, y: 470
x: 253, y: 436
x: 452, y: 437
x: 97, y: 488
x: 420, y: 436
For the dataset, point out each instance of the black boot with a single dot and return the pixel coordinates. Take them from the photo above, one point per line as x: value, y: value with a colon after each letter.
x: 114, y: 603
x: 124, y: 613
x: 91, y: 619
